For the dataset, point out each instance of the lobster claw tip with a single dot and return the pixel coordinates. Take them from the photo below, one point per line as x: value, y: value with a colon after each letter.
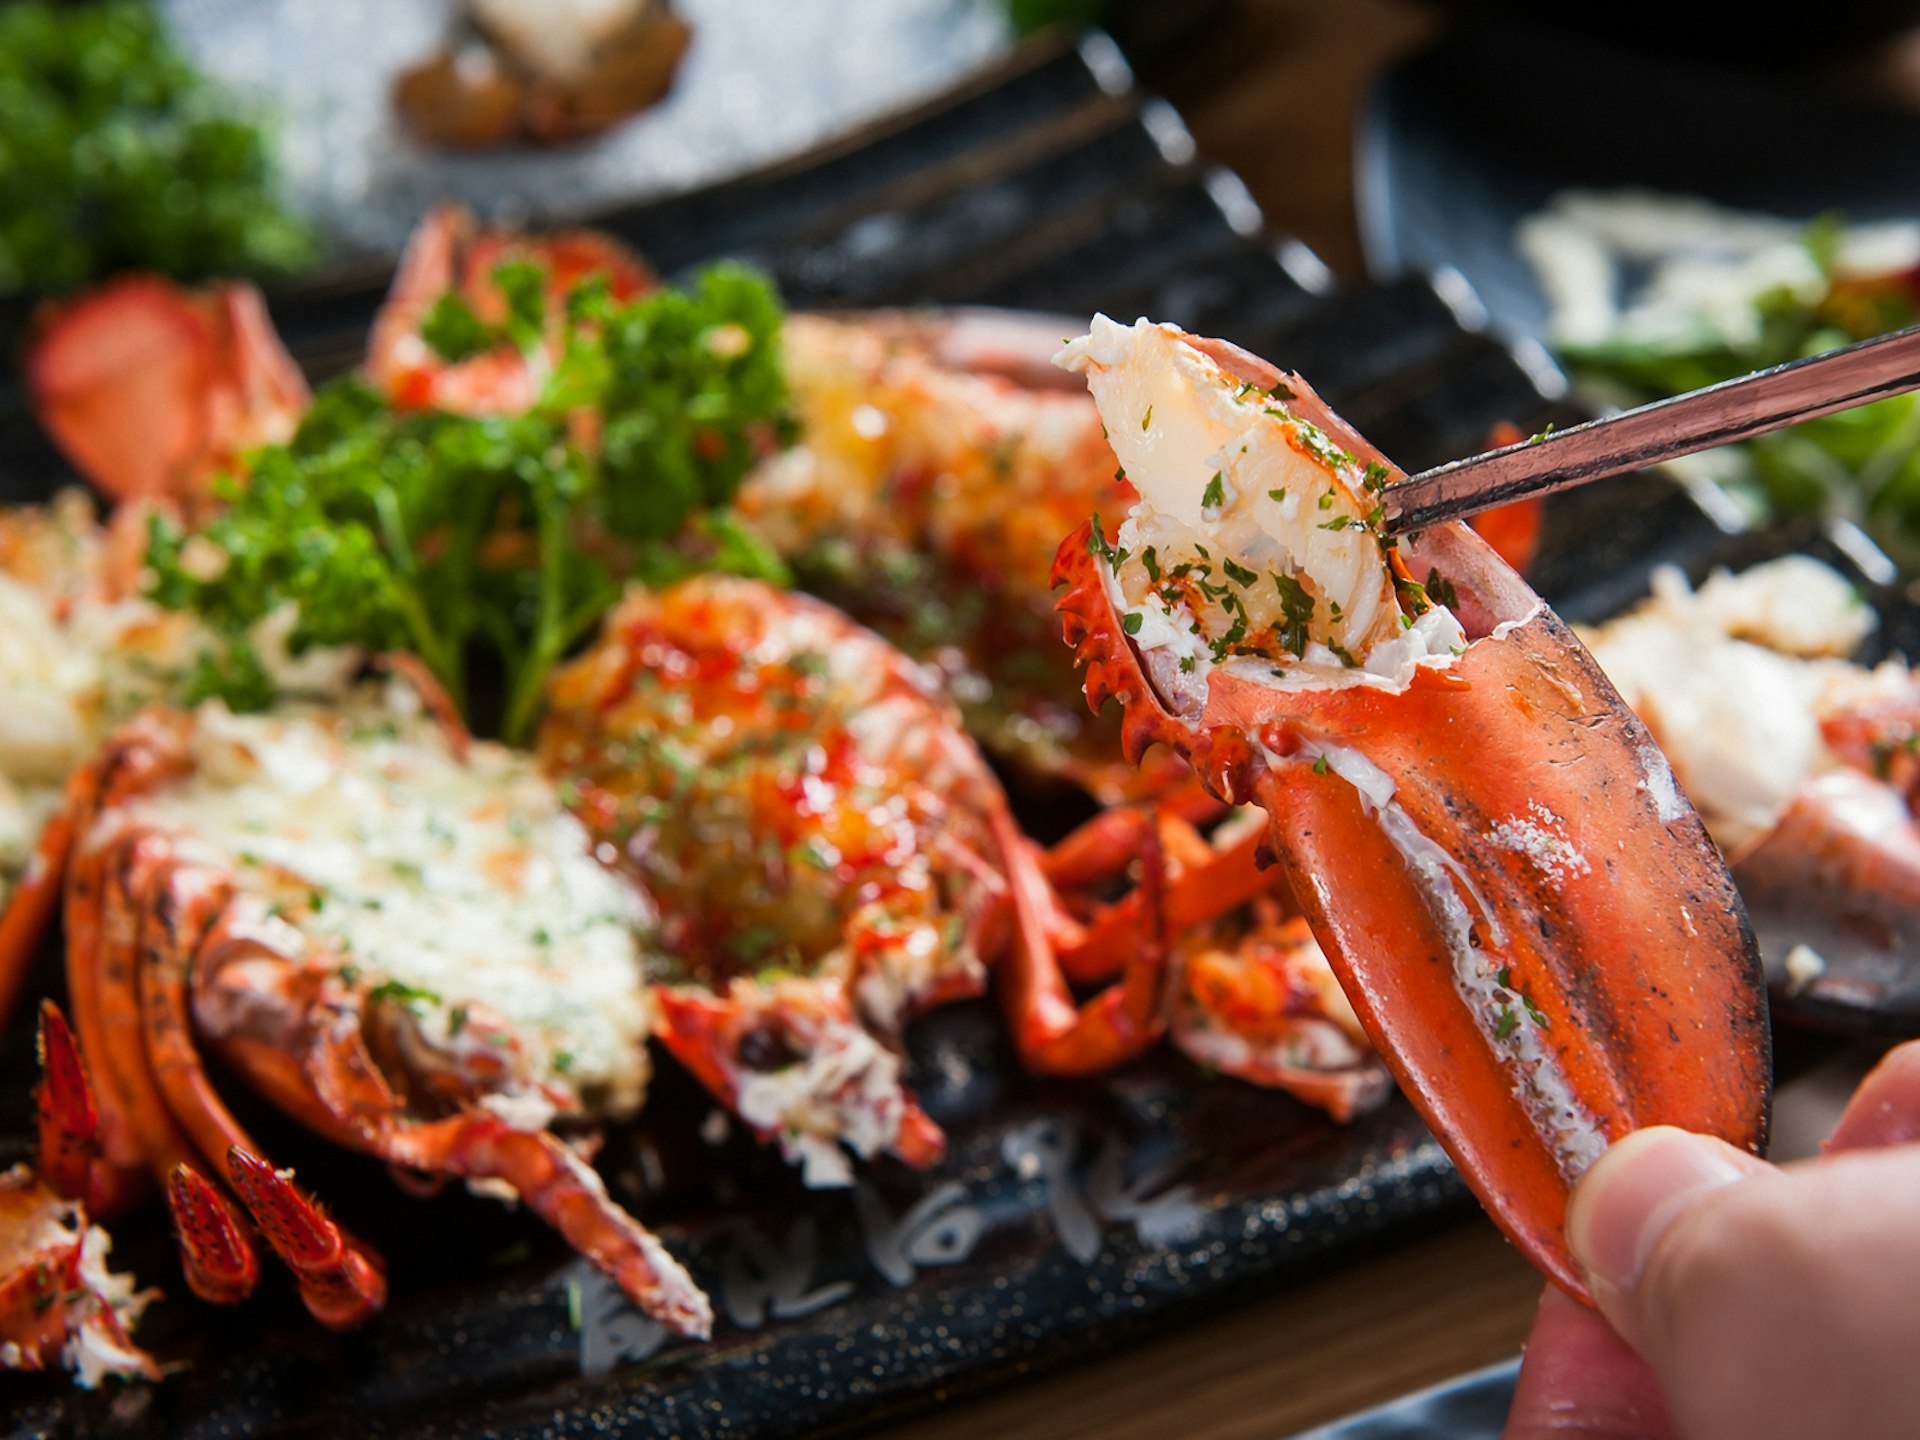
x: 219, y: 1260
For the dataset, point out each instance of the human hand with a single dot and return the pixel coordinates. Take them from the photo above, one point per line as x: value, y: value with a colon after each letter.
x: 1742, y: 1301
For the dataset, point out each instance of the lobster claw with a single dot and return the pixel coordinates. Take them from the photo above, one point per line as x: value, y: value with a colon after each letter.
x: 1526, y: 913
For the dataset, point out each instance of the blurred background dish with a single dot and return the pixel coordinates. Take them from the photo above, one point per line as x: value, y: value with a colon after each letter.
x: 1462, y: 143
x: 761, y: 80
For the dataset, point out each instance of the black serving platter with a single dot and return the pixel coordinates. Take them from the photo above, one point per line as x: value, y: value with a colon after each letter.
x: 1068, y: 1215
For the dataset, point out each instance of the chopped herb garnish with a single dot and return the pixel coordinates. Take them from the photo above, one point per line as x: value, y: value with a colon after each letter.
x: 1239, y: 574
x: 1414, y: 591
x: 809, y: 853
x: 1147, y: 419
x: 1509, y: 1018
x: 1131, y: 622
x: 1297, y: 605
x: 1277, y: 496
x: 403, y: 993
x: 1150, y: 558
x: 1215, y: 494
x: 1235, y: 633
x: 1320, y: 766
x: 1339, y: 522
x: 1326, y: 501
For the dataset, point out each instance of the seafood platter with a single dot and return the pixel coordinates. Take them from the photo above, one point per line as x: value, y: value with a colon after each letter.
x: 567, y: 877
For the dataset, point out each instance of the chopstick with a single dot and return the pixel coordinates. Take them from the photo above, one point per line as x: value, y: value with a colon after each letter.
x: 1699, y: 420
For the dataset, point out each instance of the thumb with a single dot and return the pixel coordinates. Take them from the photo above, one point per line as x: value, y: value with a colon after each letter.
x: 1770, y: 1303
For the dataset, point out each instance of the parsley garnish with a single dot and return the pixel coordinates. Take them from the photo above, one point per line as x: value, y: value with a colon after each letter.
x: 450, y: 534
x: 401, y: 992
x: 1297, y: 605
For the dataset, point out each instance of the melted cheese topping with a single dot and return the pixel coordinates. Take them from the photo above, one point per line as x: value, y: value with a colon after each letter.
x: 76, y: 659
x: 461, y: 894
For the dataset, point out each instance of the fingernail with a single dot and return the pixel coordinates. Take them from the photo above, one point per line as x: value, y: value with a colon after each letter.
x: 1634, y: 1192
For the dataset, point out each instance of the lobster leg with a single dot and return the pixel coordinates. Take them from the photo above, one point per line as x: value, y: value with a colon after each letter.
x: 553, y: 1181
x: 1206, y: 885
x: 218, y: 1259
x: 69, y: 1121
x: 137, y: 1137
x: 336, y: 1088
x: 1053, y: 1034
x: 341, y: 1280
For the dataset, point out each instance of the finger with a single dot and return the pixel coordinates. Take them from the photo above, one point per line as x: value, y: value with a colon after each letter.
x: 1633, y: 1193
x: 1769, y: 1303
x: 1580, y: 1381
x: 1885, y: 1110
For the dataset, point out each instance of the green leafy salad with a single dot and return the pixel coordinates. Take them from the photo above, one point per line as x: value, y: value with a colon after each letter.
x: 491, y: 545
x: 115, y: 154
x: 1709, y: 295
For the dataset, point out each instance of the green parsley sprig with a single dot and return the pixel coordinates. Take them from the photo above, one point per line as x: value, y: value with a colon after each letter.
x: 504, y: 537
x: 115, y: 154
